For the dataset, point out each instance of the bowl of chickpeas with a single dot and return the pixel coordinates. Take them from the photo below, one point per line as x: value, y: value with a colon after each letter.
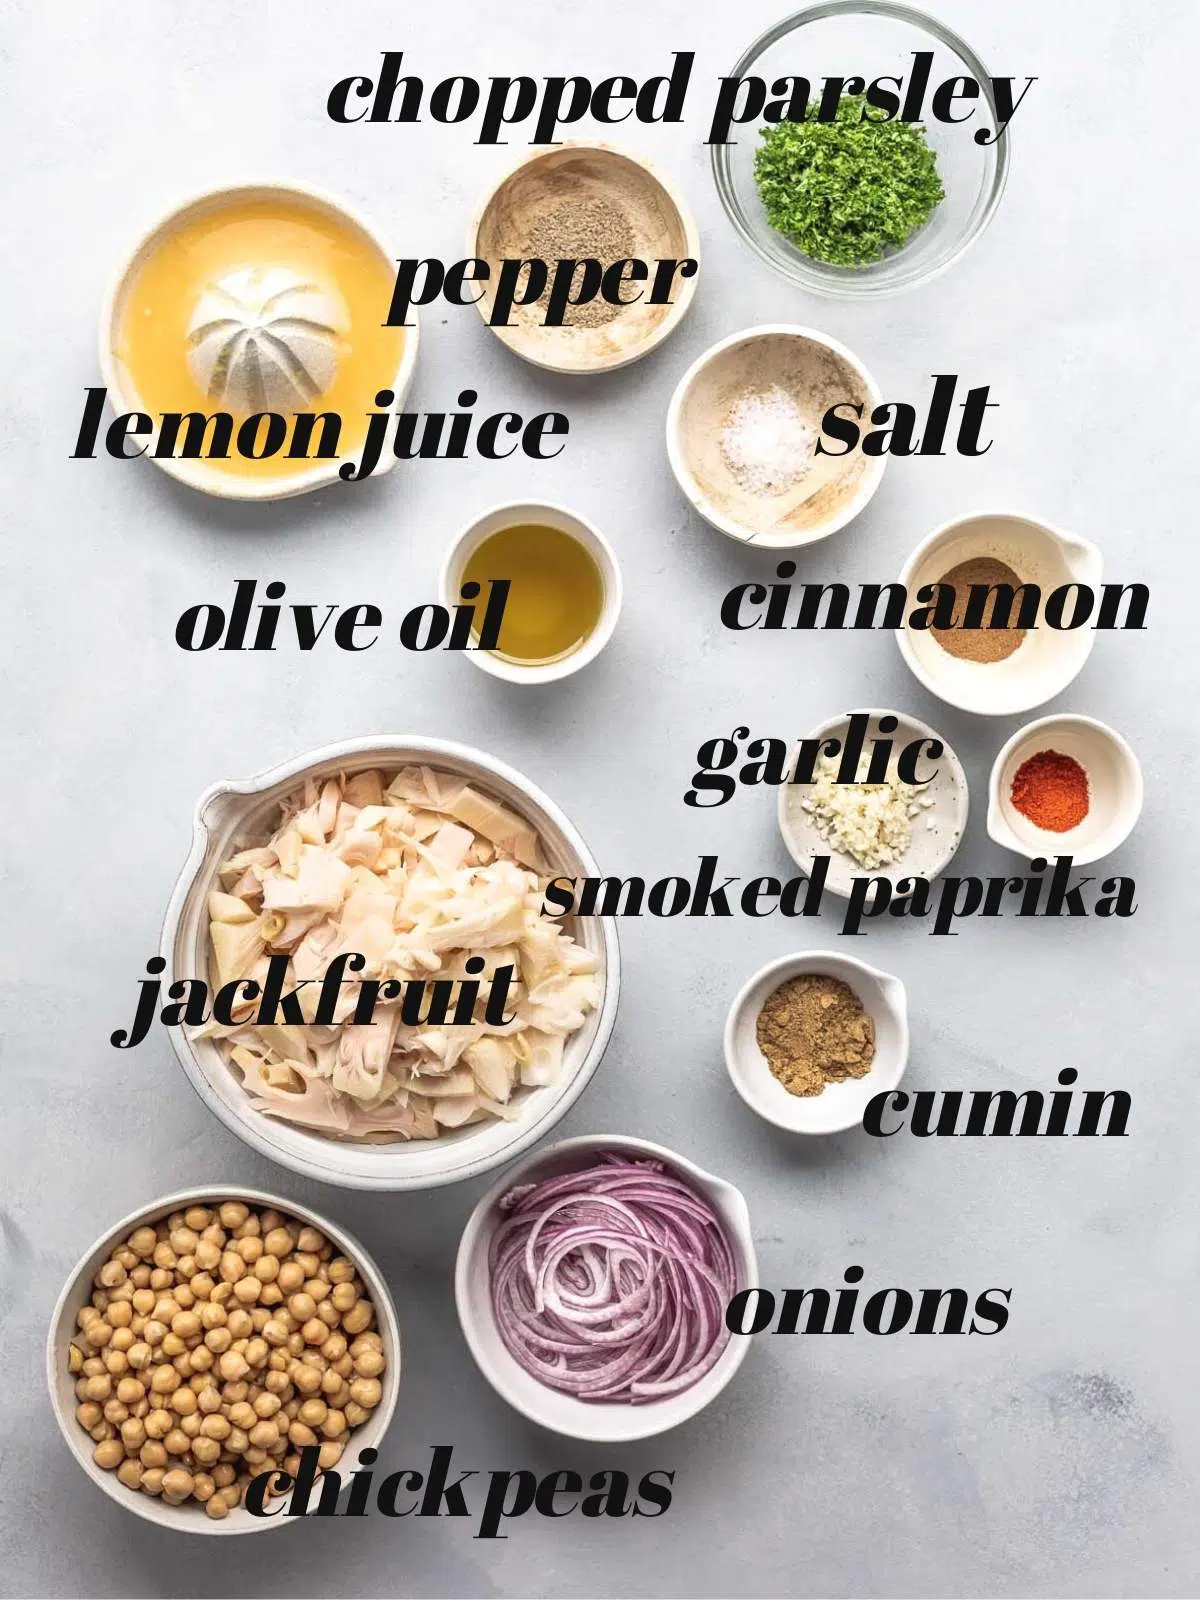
x: 210, y: 1338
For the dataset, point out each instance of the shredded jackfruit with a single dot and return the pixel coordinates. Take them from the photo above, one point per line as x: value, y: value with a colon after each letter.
x: 417, y: 873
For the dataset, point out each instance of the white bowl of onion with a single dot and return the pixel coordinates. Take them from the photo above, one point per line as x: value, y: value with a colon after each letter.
x: 236, y: 813
x: 488, y: 1258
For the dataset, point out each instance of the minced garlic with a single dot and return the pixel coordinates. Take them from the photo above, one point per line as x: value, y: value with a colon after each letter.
x: 870, y: 821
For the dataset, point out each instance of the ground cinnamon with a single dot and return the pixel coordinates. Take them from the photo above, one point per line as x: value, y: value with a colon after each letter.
x: 986, y: 643
x: 1052, y: 791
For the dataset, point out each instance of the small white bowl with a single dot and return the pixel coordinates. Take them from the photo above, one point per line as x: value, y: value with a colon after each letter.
x: 603, y: 1423
x: 1046, y: 660
x: 818, y: 372
x: 1114, y: 789
x: 191, y: 1517
x: 936, y: 832
x: 839, y: 1105
x: 122, y: 391
x: 233, y: 813
x: 662, y: 226
x: 576, y: 527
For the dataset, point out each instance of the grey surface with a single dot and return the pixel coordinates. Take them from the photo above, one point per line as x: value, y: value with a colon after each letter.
x: 1056, y: 1458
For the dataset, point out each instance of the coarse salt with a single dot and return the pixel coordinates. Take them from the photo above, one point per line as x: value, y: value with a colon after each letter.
x: 766, y: 443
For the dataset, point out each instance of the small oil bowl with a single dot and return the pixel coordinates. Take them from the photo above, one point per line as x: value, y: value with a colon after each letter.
x: 1114, y: 790
x: 839, y: 1105
x: 563, y: 521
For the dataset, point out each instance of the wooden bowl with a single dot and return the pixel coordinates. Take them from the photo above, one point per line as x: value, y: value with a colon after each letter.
x: 661, y: 226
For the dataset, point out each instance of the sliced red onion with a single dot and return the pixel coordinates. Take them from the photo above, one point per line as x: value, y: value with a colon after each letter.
x: 611, y: 1283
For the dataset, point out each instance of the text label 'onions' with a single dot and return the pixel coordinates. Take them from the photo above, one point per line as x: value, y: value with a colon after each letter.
x: 611, y: 1283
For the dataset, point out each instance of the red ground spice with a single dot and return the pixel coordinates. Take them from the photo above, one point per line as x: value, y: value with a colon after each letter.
x: 1052, y: 791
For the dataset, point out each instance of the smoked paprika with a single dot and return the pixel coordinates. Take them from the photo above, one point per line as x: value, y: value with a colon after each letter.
x: 1052, y: 791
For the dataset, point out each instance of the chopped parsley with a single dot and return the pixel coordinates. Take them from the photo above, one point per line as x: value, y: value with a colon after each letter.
x: 849, y: 191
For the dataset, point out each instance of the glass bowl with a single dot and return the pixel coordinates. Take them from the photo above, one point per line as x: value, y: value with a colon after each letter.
x: 869, y: 39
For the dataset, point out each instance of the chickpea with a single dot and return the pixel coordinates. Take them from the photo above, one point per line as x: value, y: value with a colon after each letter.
x: 98, y: 1333
x: 247, y: 1290
x: 102, y: 1431
x: 223, y: 1475
x: 202, y: 1286
x: 111, y: 1275
x: 242, y: 1415
x: 232, y: 1366
x: 278, y: 1382
x: 344, y: 1296
x: 120, y: 1315
x: 221, y: 1293
x: 152, y: 1480
x: 296, y: 1343
x: 275, y: 1332
x: 264, y: 1434
x: 100, y: 1300
x: 232, y: 1393
x: 250, y: 1249
x: 197, y: 1218
x: 239, y: 1323
x: 142, y: 1241
x: 176, y: 1442
x: 123, y: 1339
x: 256, y: 1352
x: 369, y: 1363
x: 277, y: 1242
x: 307, y: 1379
x: 330, y: 1454
x: 184, y: 1240
x: 98, y: 1387
x: 300, y: 1434
x: 253, y: 1456
x: 218, y: 1340
x: 237, y: 1441
x: 203, y: 1488
x: 139, y: 1355
x: 233, y: 1213
x: 356, y: 1415
x: 154, y: 1332
x: 359, y: 1317
x: 130, y: 1391
x: 116, y: 1363
x: 332, y: 1382
x: 186, y: 1325
x: 216, y: 1508
x: 313, y: 1412
x: 335, y: 1347
x: 161, y: 1278
x: 207, y: 1254
x: 88, y: 1414
x: 335, y: 1424
x: 206, y: 1451
x: 341, y: 1270
x: 209, y: 1401
x: 290, y: 1278
x: 164, y: 1380
x: 166, y: 1309
x: 232, y: 1267
x: 143, y: 1301
x: 115, y: 1411
x: 172, y: 1346
x: 266, y: 1269
x: 153, y: 1454
x: 158, y: 1423
x: 329, y: 1315
x: 130, y: 1473
x: 272, y: 1294
x: 164, y: 1257
x: 184, y: 1402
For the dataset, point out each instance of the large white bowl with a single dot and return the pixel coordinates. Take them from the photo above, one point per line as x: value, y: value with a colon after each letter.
x: 602, y: 1422
x: 232, y: 813
x: 199, y: 474
x: 191, y: 1517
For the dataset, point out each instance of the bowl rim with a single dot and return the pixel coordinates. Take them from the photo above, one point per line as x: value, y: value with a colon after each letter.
x: 962, y: 789
x: 731, y: 1357
x: 243, y: 1122
x: 931, y: 681
x: 678, y: 308
x: 895, y: 997
x: 150, y: 1507
x: 898, y: 12
x: 610, y: 573
x: 684, y: 477
x: 199, y: 474
x: 999, y: 831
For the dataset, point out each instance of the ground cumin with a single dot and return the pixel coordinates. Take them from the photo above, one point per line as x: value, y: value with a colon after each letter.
x: 813, y: 1031
x: 978, y: 644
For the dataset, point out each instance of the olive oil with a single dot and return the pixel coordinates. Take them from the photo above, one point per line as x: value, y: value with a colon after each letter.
x: 556, y: 592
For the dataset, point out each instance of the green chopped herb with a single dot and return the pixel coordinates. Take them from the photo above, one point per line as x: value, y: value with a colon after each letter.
x: 848, y: 191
